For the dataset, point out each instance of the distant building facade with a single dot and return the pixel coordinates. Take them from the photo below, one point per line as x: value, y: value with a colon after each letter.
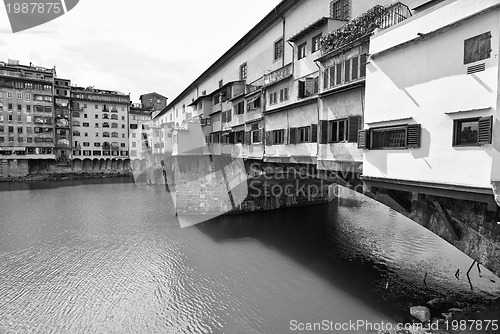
x: 99, y: 124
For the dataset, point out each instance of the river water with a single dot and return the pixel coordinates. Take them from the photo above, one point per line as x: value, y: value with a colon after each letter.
x: 110, y: 257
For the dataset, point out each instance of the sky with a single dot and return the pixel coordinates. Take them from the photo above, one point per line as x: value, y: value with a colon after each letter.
x: 134, y: 47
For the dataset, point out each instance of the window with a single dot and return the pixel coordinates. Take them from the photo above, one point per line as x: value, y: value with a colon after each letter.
x: 472, y: 131
x: 76, y: 133
x: 221, y: 83
x: 28, y: 96
x: 28, y: 108
x: 304, y: 134
x: 19, y: 107
x: 86, y: 144
x: 256, y: 138
x: 337, y: 131
x: 393, y: 137
x: 243, y: 71
x: 114, y: 134
x: 96, y: 106
x: 19, y: 118
x: 301, y: 50
x: 308, y: 87
x: 10, y: 106
x: 10, y: 95
x: 339, y: 9
x: 278, y: 137
x: 239, y: 108
x: 97, y: 144
x: 19, y: 95
x: 316, y: 43
x: 477, y: 48
x: 278, y: 49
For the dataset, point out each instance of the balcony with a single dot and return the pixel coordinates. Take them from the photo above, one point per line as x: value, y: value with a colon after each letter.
x: 377, y: 17
x: 278, y: 74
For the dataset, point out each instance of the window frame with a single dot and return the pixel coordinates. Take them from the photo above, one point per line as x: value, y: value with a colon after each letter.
x: 301, y: 51
x: 316, y: 43
x: 279, y: 49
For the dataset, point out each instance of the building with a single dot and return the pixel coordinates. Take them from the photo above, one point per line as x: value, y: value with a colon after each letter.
x: 264, y: 99
x: 140, y: 134
x: 153, y: 101
x: 439, y: 114
x: 342, y: 85
x: 26, y: 116
x: 100, y: 129
x: 62, y: 104
x: 431, y: 138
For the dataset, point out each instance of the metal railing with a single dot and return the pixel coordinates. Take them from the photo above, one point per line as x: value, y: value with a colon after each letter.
x: 376, y: 17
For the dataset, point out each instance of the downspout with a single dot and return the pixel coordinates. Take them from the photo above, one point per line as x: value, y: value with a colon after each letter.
x: 318, y: 104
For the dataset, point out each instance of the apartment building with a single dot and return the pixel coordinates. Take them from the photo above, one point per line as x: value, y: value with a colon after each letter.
x: 140, y: 134
x: 62, y: 103
x: 100, y: 128
x: 26, y: 112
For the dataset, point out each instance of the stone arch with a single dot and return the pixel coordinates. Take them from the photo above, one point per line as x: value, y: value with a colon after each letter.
x: 95, y: 164
x: 102, y: 164
x: 114, y: 164
x: 77, y: 165
x: 120, y: 164
x: 87, y: 165
x: 108, y: 164
x: 126, y: 164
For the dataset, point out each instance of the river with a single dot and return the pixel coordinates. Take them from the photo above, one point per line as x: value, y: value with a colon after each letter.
x: 99, y: 256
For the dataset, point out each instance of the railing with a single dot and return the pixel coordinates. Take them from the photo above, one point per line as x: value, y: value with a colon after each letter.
x: 278, y: 74
x: 377, y: 17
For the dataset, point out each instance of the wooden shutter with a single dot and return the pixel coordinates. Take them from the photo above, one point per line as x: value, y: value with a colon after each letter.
x: 362, y: 65
x: 302, y: 89
x: 309, y: 86
x: 477, y: 48
x: 223, y: 117
x: 248, y: 138
x: 285, y: 136
x: 231, y: 137
x: 353, y: 124
x: 364, y: 139
x: 347, y: 69
x: 325, y: 79
x: 261, y: 135
x: 413, y: 136
x: 268, y: 138
x: 293, y: 135
x: 332, y: 76
x: 323, y: 125
x: 485, y: 130
x: 339, y: 74
x: 316, y: 85
x: 355, y: 62
x: 314, y: 133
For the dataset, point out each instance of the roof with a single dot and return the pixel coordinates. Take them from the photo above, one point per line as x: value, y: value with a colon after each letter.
x: 307, y: 30
x: 153, y: 93
x: 274, y: 16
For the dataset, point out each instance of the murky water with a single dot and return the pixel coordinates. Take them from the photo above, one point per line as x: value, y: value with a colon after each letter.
x: 110, y: 258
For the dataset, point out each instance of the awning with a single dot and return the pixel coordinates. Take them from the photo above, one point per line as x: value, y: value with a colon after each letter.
x: 253, y: 98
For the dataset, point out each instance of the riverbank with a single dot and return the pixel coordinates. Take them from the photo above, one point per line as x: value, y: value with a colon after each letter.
x: 66, y: 176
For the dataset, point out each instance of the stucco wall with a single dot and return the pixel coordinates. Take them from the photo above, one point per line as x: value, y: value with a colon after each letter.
x: 425, y: 81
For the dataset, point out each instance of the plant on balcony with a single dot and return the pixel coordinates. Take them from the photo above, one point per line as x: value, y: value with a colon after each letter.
x: 355, y: 29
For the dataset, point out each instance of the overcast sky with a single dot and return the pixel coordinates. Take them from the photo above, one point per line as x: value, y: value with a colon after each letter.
x: 135, y: 46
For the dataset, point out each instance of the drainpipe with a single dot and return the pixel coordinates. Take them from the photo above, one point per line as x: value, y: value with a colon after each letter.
x: 318, y: 106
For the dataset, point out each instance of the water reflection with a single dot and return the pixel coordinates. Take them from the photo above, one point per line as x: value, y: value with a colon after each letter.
x: 94, y: 258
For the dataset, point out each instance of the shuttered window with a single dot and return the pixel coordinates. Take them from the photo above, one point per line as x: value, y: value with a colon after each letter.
x: 293, y: 135
x: 354, y: 123
x: 347, y: 70
x: 355, y: 61
x: 477, y: 48
x: 362, y: 65
x: 392, y: 137
x: 324, y: 132
x: 472, y: 131
x: 332, y: 76
x: 314, y: 133
x: 326, y: 79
